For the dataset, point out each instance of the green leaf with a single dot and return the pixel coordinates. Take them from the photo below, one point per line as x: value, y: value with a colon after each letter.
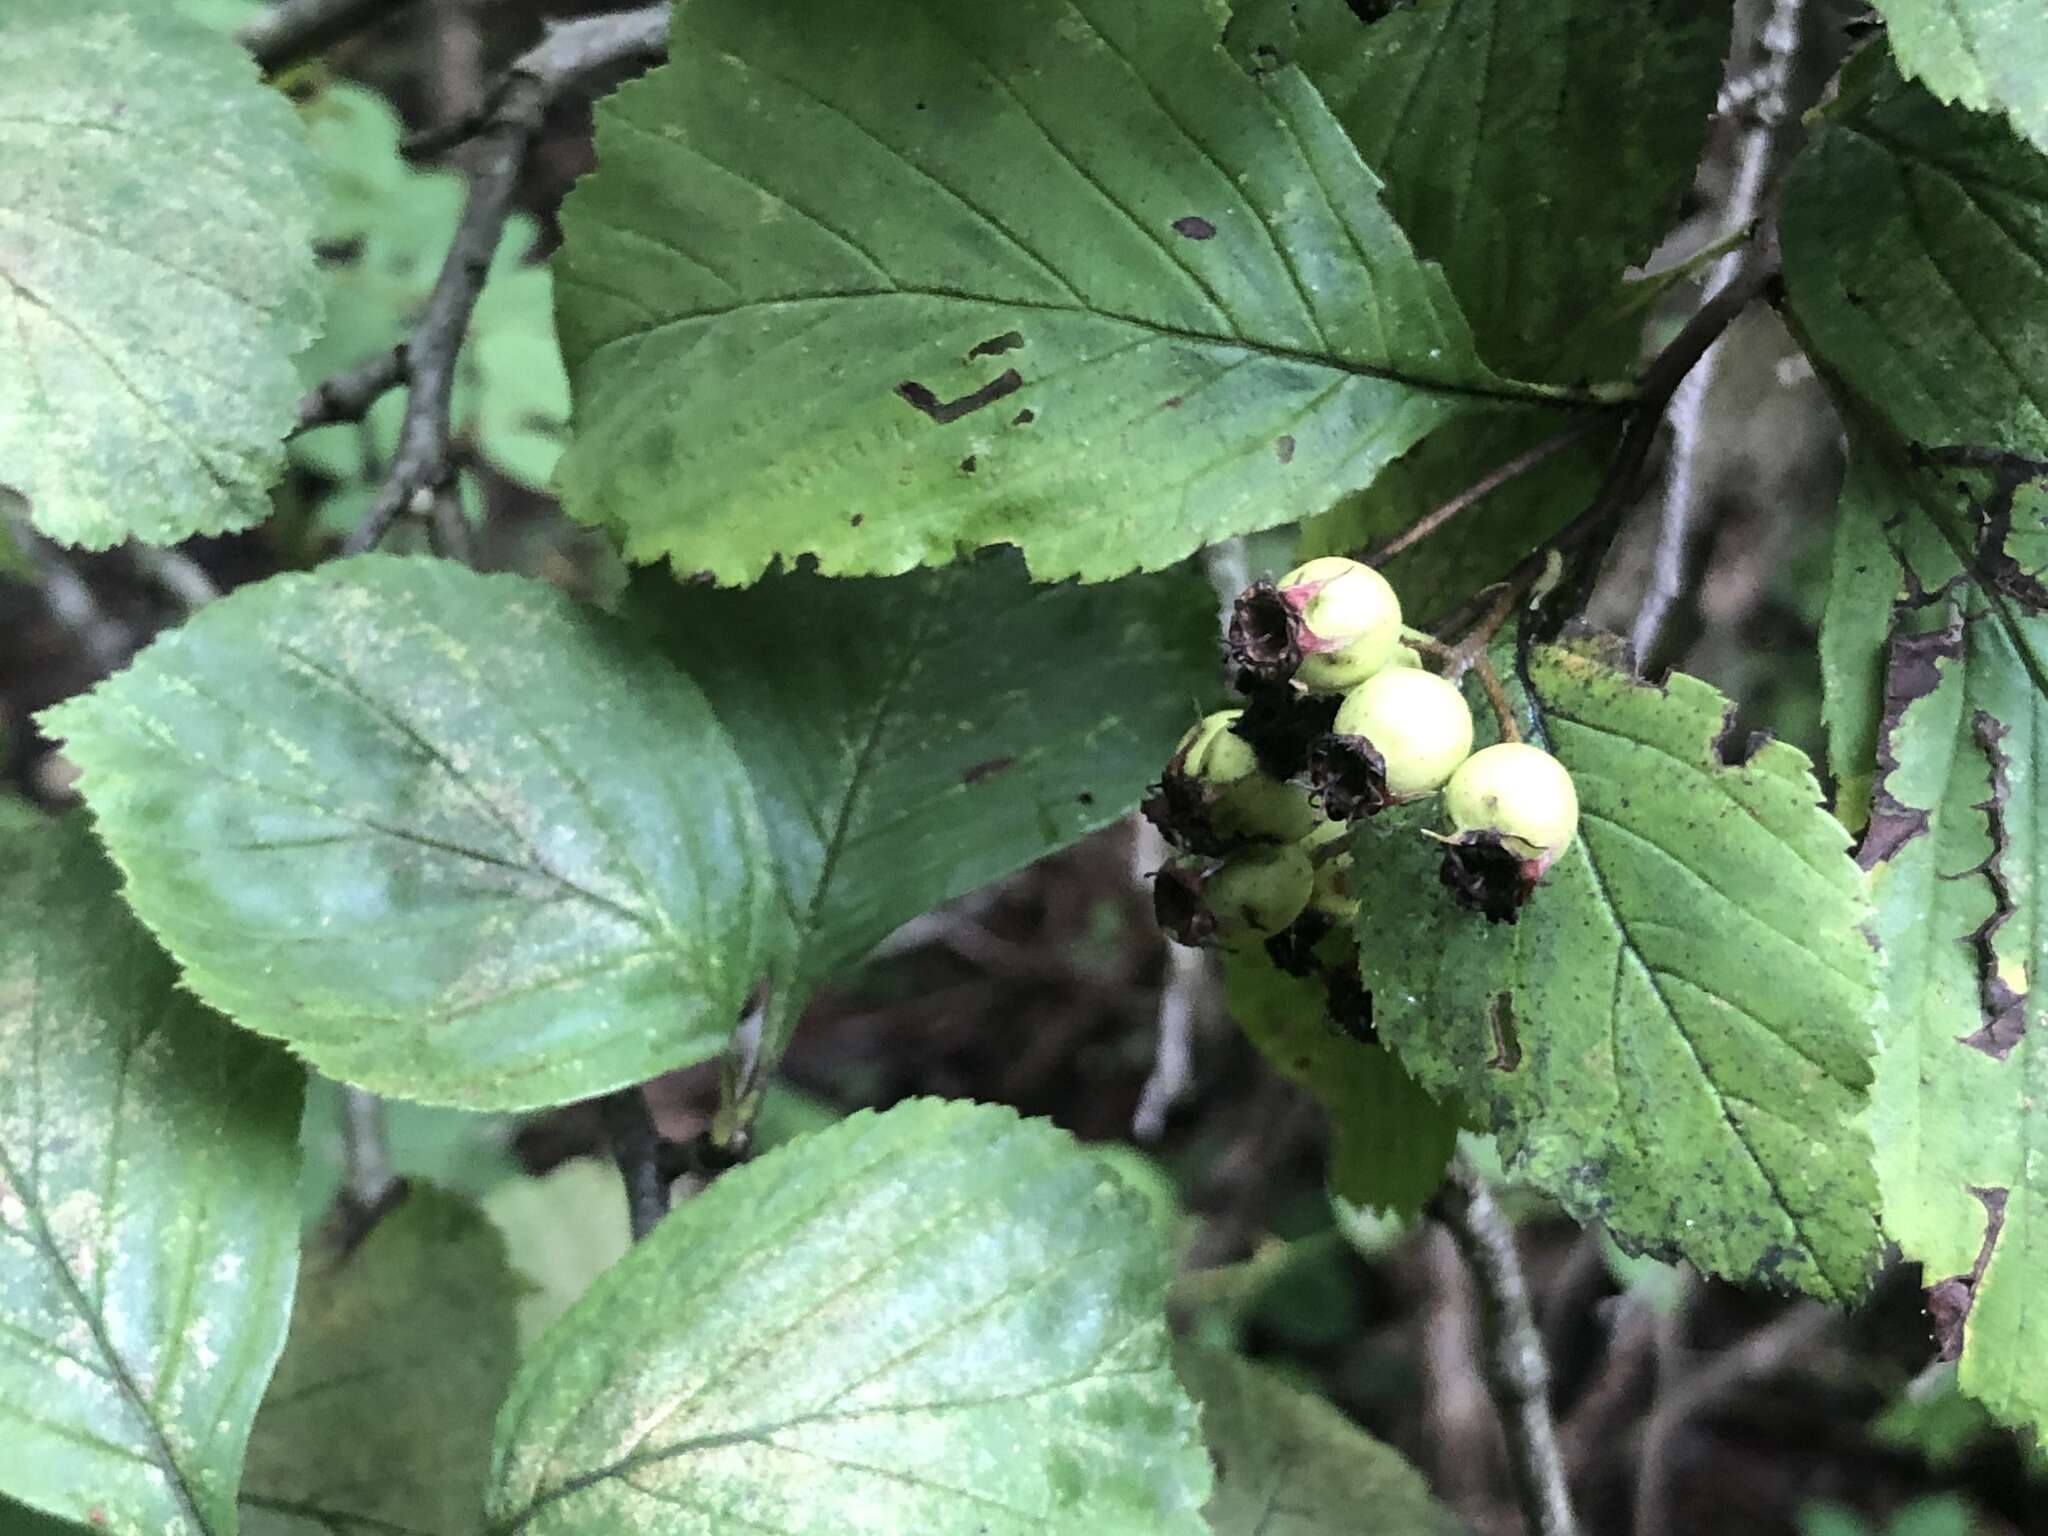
x: 156, y: 273
x: 1936, y: 651
x: 1502, y: 129
x: 148, y: 1237
x: 903, y: 278
x: 1916, y: 258
x: 401, y: 1347
x: 1288, y: 1464
x: 450, y: 836
x: 1390, y: 1141
x: 938, y: 1318
x: 912, y: 739
x: 1990, y: 55
x: 1675, y: 1038
x: 562, y: 1230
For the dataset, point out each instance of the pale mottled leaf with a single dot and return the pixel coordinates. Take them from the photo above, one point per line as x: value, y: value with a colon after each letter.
x: 448, y: 835
x: 1991, y: 55
x: 938, y: 1318
x: 148, y: 1235
x: 156, y: 273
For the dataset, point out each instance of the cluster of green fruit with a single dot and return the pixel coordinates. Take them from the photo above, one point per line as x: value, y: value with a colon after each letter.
x: 1341, y: 720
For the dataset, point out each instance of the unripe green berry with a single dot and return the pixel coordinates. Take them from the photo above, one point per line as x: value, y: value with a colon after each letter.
x: 1335, y: 893
x: 1236, y: 904
x: 1327, y: 625
x: 1419, y: 721
x: 1519, y: 793
x: 1350, y: 622
x: 1214, y: 795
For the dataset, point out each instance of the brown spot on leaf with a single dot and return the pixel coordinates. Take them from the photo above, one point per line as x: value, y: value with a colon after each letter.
x: 942, y: 412
x: 857, y: 519
x: 1172, y: 402
x: 1024, y: 418
x: 1912, y: 671
x: 996, y: 346
x: 1507, y: 1044
x: 1284, y: 449
x: 988, y: 770
x: 2004, y: 1007
x: 968, y: 464
x: 1195, y: 227
x: 1949, y: 1301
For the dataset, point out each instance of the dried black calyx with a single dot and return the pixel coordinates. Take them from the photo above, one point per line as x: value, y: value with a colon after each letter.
x: 1487, y: 876
x: 1293, y: 948
x: 1265, y: 633
x: 1178, y: 905
x: 1280, y: 722
x: 1348, y: 775
x: 1180, y: 806
x: 1351, y: 1006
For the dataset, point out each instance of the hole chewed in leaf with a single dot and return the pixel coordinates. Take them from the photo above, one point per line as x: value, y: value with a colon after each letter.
x: 1949, y: 1301
x: 1283, y: 449
x: 943, y: 412
x: 1195, y: 227
x: 2004, y: 1005
x: 1912, y: 672
x: 1507, y: 1044
x: 2009, y: 473
x: 996, y: 346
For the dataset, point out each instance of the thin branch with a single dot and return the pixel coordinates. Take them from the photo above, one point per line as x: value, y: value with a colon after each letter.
x: 1183, y: 994
x: 570, y: 54
x: 349, y: 394
x: 291, y: 30
x: 68, y: 596
x: 1486, y: 485
x: 1517, y: 1371
x: 176, y: 573
x: 638, y: 1149
x: 1778, y: 46
x: 366, y: 1150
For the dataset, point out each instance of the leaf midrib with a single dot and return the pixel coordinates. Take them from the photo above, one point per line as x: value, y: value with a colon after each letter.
x: 117, y: 1368
x: 1507, y: 392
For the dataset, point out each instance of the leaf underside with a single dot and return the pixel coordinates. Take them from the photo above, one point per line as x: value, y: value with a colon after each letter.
x: 1675, y: 1038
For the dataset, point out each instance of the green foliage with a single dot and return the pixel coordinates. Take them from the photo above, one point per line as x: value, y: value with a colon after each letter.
x: 562, y: 1231
x: 397, y: 852
x: 1529, y: 232
x: 394, y: 850
x: 1600, y: 94
x: 1288, y: 1464
x: 1991, y: 55
x: 1389, y: 1140
x: 389, y: 226
x: 156, y: 274
x: 1058, y: 276
x: 915, y: 738
x: 148, y: 1236
x: 1935, y: 649
x: 937, y: 1318
x: 1675, y: 1037
x: 379, y: 1418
